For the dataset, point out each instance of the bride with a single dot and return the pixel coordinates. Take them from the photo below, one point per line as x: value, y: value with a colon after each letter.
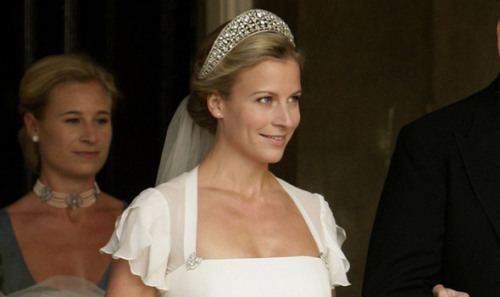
x: 228, y: 226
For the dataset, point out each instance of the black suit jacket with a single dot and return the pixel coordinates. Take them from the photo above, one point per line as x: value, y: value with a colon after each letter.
x: 438, y: 219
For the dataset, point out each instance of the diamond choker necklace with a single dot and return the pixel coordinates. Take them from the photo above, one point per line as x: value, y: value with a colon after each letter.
x: 65, y: 200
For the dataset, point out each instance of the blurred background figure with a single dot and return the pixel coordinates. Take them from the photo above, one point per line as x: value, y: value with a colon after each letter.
x: 56, y: 230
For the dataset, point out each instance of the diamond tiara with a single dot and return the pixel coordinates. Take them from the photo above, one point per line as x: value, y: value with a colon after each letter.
x: 242, y: 26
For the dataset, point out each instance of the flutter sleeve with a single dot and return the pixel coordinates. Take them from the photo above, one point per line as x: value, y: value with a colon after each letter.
x: 334, y: 236
x: 142, y: 237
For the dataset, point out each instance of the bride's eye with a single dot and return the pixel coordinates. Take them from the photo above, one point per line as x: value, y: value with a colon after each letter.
x: 264, y: 100
x: 294, y: 99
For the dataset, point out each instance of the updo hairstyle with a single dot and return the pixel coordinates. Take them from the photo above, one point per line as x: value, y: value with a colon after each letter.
x: 249, y: 52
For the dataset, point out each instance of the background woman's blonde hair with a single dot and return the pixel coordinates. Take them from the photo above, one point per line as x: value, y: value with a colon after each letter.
x: 249, y: 52
x: 39, y: 80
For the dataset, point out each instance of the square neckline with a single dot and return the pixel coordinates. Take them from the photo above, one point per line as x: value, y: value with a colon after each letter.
x: 191, y: 225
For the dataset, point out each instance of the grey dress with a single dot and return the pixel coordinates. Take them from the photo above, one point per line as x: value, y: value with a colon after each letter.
x: 14, y: 274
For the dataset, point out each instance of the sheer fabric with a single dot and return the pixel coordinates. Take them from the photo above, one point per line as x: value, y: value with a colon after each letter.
x: 186, y: 144
x: 60, y: 286
x: 157, y: 235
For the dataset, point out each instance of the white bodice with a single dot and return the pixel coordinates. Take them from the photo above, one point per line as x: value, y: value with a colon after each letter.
x: 157, y: 235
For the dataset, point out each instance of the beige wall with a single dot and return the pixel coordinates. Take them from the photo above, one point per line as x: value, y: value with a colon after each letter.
x: 372, y: 66
x: 367, y: 73
x: 465, y: 54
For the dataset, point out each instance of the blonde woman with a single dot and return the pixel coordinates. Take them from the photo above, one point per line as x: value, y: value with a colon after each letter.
x: 50, y: 237
x: 228, y: 226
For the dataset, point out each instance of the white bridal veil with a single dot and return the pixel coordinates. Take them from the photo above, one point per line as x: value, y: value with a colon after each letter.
x: 186, y: 144
x: 60, y: 286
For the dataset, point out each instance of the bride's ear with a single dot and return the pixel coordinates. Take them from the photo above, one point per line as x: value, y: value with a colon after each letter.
x: 498, y: 36
x: 215, y: 104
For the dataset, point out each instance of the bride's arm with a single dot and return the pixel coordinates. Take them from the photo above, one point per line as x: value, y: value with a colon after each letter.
x: 123, y: 283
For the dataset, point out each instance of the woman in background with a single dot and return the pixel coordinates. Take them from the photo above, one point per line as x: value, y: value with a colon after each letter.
x: 51, y: 236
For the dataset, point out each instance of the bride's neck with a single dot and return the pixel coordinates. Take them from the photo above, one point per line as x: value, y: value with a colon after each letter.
x: 232, y: 172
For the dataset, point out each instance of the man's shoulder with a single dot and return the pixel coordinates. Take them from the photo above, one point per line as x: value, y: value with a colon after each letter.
x: 456, y: 116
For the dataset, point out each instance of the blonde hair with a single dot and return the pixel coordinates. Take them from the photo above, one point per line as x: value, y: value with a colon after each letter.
x: 249, y: 52
x: 39, y: 80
